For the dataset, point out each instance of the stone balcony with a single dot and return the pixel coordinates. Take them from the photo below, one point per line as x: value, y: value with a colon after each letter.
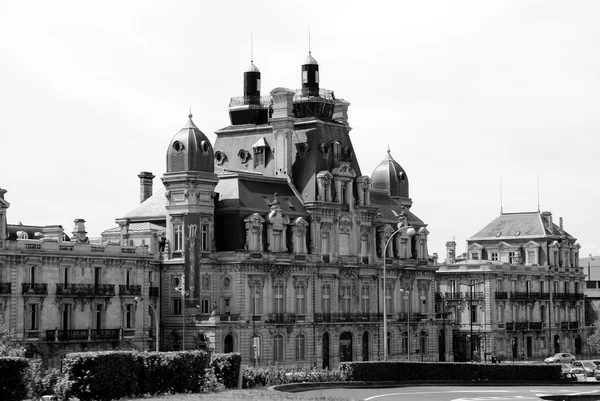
x: 67, y: 247
x: 130, y: 290
x: 86, y: 290
x: 34, y: 288
x: 84, y: 335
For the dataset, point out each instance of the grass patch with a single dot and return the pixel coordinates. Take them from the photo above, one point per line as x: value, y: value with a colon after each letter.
x: 242, y: 395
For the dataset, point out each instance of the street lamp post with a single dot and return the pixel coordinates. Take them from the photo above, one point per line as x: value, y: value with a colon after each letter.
x: 589, y: 263
x: 138, y: 299
x: 184, y: 293
x: 254, y: 336
x: 407, y: 323
x: 471, y: 343
x: 410, y: 231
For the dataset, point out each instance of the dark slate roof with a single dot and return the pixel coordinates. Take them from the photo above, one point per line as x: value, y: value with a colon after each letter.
x: 518, y: 225
x: 133, y: 227
x: 255, y: 194
x: 387, y: 206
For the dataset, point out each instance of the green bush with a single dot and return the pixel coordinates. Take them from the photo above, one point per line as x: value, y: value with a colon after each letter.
x: 274, y: 375
x: 118, y: 374
x: 227, y: 368
x: 42, y: 381
x: 460, y: 371
x: 13, y: 378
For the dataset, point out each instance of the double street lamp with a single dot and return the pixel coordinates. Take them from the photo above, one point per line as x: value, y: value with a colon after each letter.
x: 138, y: 299
x: 181, y: 289
x: 255, y: 338
x: 410, y: 231
x: 471, y: 342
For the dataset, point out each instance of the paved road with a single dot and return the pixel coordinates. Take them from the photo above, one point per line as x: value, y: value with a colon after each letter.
x: 454, y: 393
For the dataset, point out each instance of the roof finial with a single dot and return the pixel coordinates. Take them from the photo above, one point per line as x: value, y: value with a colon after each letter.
x: 190, y: 115
x: 308, y: 38
x: 251, y: 50
x: 500, y: 195
x: 538, y: 191
x: 388, y: 147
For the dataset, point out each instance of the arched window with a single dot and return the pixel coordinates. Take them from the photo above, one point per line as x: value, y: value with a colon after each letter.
x: 300, y: 347
x: 278, y: 347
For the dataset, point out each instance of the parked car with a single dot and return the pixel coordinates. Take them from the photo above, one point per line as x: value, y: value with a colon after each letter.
x: 588, y: 367
x: 560, y: 358
x: 579, y: 373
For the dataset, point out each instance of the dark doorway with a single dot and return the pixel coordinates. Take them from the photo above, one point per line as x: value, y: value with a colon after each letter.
x: 442, y: 346
x: 346, y: 347
x: 515, y: 349
x: 556, y: 344
x: 228, y: 346
x: 529, y: 347
x: 325, y: 351
x: 578, y: 345
x: 365, y: 346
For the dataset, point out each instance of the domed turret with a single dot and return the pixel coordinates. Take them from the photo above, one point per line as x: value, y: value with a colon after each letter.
x: 310, y: 76
x: 190, y: 150
x: 391, y: 177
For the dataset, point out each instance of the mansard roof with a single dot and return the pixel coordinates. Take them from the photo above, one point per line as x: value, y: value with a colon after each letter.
x: 520, y: 225
x: 153, y: 208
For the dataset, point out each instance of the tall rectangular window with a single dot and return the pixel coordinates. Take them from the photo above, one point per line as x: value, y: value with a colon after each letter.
x: 204, y: 236
x: 389, y: 301
x: 66, y: 272
x: 499, y: 285
x: 278, y: 290
x: 127, y: 277
x: 300, y: 347
x: 346, y: 299
x: 364, y: 301
x: 512, y: 257
x: 97, y: 275
x: 278, y: 347
x: 494, y: 255
x: 98, y: 316
x: 556, y: 287
x: 542, y: 287
x: 32, y: 274
x: 301, y: 299
x: 474, y: 313
x: 256, y: 299
x: 344, y: 243
x: 33, y: 316
x: 66, y: 316
x: 325, y: 247
x: 176, y: 306
x: 364, y: 251
x: 452, y: 287
x: 177, y: 236
x: 326, y: 298
x: 129, y: 316
x: 528, y: 286
x: 205, y: 305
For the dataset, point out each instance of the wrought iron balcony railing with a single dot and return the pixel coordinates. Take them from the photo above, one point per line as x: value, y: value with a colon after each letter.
x: 83, y: 335
x: 501, y: 295
x: 35, y: 289
x: 454, y: 295
x: 86, y: 290
x: 130, y: 290
x: 5, y: 288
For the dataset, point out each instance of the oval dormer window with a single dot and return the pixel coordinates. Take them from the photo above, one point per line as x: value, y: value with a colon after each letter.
x: 178, y: 147
x: 205, y: 146
x: 220, y: 157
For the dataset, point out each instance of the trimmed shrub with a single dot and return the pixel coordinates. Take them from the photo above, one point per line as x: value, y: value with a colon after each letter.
x: 274, y: 375
x: 119, y: 374
x: 13, y: 378
x: 227, y: 368
x: 460, y: 371
x: 42, y: 381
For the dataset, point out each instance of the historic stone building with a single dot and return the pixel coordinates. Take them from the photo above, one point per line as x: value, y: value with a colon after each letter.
x: 519, y: 293
x: 64, y: 294
x: 272, y: 240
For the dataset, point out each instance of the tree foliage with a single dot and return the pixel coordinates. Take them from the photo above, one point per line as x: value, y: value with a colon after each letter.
x: 594, y: 340
x: 8, y: 345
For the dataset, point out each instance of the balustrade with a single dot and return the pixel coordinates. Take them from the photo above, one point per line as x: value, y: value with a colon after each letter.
x: 85, y: 289
x: 5, y: 288
x: 35, y: 288
x: 83, y: 335
x: 130, y: 290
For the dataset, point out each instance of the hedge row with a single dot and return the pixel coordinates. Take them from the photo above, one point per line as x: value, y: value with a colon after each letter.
x: 397, y: 371
x: 13, y: 378
x: 117, y: 374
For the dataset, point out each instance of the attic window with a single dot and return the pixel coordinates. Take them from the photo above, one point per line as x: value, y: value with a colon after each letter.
x: 204, y: 146
x: 22, y: 235
x: 178, y: 147
x: 220, y: 157
x: 290, y: 204
x: 244, y: 155
x: 402, y: 176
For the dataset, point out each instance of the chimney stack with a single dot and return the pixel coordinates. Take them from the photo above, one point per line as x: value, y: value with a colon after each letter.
x: 79, y: 232
x: 450, y: 252
x: 146, y: 178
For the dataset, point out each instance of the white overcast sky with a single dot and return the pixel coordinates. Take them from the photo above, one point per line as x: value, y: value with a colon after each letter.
x: 467, y: 94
